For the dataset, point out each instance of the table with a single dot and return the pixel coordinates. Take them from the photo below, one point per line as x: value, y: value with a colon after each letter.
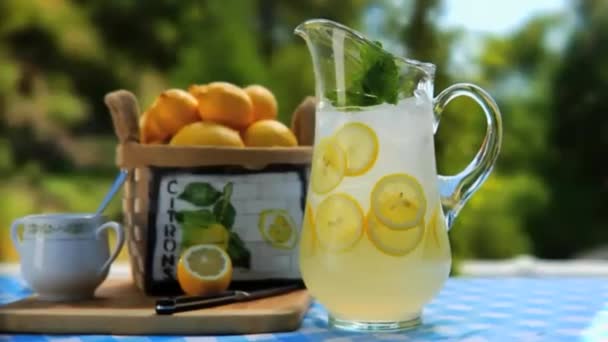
x: 468, y: 309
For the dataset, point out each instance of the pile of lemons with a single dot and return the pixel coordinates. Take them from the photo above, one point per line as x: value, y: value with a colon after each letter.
x: 215, y: 114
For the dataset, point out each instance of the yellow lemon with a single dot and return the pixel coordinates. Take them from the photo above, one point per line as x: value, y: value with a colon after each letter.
x: 264, y: 103
x: 207, y: 133
x: 360, y: 143
x: 204, y: 270
x: 268, y: 133
x: 436, y: 242
x: 390, y: 241
x: 150, y: 131
x: 328, y: 166
x: 277, y: 228
x: 339, y: 222
x: 172, y: 110
x: 224, y: 103
x: 398, y: 201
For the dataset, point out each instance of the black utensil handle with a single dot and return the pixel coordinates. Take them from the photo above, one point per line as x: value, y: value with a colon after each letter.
x: 190, y: 299
x: 273, y: 292
x: 181, y: 307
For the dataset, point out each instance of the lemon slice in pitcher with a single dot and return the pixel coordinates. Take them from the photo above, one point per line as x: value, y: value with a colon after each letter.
x: 308, y: 239
x: 436, y: 243
x: 398, y: 201
x: 328, y: 166
x: 339, y: 222
x: 390, y: 241
x: 360, y: 143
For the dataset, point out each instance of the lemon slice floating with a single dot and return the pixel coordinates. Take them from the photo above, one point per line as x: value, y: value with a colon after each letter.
x: 204, y: 270
x: 328, y: 166
x: 308, y: 239
x: 398, y: 201
x: 390, y: 241
x: 436, y: 244
x: 339, y: 222
x: 360, y: 143
x: 277, y: 228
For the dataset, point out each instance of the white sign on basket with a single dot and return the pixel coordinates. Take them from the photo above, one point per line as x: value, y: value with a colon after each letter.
x: 256, y: 217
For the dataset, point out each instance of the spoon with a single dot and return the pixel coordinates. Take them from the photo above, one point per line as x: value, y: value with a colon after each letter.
x: 118, y: 182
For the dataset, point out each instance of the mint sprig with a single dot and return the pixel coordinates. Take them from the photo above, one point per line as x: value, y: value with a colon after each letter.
x: 375, y: 82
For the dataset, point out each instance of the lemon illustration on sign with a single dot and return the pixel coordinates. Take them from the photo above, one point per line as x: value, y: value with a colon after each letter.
x: 436, y: 244
x: 308, y: 240
x: 390, y: 241
x: 328, y: 166
x: 339, y: 222
x: 277, y: 228
x: 398, y: 201
x: 360, y: 143
x: 214, y: 234
x: 280, y: 230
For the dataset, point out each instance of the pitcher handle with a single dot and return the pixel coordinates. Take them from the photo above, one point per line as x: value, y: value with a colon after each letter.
x: 455, y: 190
x: 15, y: 234
x: 120, y: 240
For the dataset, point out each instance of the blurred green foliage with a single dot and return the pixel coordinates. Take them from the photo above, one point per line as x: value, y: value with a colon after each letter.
x: 548, y: 194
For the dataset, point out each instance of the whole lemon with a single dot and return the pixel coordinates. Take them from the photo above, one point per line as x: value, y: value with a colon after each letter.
x: 172, y: 110
x: 264, y: 103
x: 224, y: 103
x: 149, y: 130
x: 268, y: 133
x: 207, y: 133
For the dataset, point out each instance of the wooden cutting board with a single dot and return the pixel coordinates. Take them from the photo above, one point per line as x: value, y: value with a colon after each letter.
x: 121, y: 309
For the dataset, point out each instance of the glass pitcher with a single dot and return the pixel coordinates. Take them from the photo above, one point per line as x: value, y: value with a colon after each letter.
x: 374, y: 247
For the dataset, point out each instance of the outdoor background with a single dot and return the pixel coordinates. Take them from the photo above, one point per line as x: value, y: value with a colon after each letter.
x: 545, y: 62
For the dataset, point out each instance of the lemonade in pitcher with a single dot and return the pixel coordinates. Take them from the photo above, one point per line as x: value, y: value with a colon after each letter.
x: 374, y: 247
x: 373, y: 222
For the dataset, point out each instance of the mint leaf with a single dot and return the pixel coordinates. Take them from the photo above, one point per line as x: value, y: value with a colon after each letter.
x: 238, y: 252
x: 195, y: 219
x: 200, y: 194
x: 376, y: 81
x: 381, y: 78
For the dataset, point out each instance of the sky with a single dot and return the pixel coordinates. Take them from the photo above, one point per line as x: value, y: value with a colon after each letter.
x: 495, y: 16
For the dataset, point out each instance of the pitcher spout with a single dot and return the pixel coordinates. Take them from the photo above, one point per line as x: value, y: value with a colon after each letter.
x: 353, y: 71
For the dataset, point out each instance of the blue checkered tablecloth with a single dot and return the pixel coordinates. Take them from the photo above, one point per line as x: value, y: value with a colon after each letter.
x: 468, y: 309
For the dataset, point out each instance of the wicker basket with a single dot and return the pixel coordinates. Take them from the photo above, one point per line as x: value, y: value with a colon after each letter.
x: 145, y: 162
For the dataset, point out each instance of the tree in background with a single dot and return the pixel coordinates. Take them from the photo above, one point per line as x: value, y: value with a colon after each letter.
x: 58, y: 59
x: 578, y: 214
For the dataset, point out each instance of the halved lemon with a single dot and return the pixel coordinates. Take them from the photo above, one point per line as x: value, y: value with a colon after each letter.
x: 390, y: 241
x: 436, y: 243
x: 308, y: 240
x: 398, y: 201
x: 328, y: 166
x: 203, y: 270
x: 360, y: 143
x: 277, y: 228
x: 339, y: 222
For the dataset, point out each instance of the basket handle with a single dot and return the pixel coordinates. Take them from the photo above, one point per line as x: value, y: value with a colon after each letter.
x: 303, y: 121
x: 125, y: 115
